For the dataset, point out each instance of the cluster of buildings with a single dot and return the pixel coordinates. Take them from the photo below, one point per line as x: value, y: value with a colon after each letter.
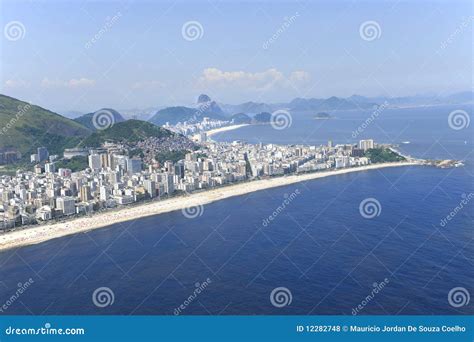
x: 41, y: 154
x: 113, y: 178
x: 193, y: 127
x: 9, y: 156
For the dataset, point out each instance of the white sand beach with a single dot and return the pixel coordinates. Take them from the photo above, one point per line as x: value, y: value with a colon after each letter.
x: 224, y: 129
x: 34, y: 235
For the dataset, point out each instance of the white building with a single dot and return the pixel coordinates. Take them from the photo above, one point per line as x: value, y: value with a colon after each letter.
x: 94, y: 161
x: 366, y: 144
x: 66, y: 205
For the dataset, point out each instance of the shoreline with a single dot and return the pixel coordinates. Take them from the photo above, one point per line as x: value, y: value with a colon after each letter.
x: 38, y: 234
x: 224, y: 129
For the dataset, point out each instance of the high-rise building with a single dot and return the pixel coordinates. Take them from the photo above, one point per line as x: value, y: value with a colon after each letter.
x: 103, y: 193
x: 42, y: 153
x: 168, y: 183
x: 66, y: 205
x: 169, y: 166
x: 85, y: 193
x: 94, y: 161
x: 104, y: 160
x: 49, y: 167
x: 150, y: 187
x: 120, y: 162
x: 202, y: 137
x: 134, y: 165
x: 366, y: 144
x: 38, y: 169
x: 179, y: 169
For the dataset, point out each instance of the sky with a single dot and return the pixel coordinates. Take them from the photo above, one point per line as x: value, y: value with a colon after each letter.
x: 85, y: 55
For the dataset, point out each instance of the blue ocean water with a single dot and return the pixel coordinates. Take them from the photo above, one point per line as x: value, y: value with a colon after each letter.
x: 319, y: 247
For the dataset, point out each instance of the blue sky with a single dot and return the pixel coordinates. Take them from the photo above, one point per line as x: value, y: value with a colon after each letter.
x: 83, y: 55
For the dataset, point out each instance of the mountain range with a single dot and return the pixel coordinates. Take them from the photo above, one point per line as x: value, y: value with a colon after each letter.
x: 206, y: 107
x: 25, y: 126
x: 87, y: 120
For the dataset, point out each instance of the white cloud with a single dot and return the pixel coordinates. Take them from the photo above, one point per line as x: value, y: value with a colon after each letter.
x: 148, y: 85
x: 299, y: 76
x: 17, y: 84
x: 81, y: 82
x: 72, y: 83
x: 47, y: 83
x: 259, y: 81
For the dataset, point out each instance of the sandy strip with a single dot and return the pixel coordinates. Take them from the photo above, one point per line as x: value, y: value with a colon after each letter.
x: 46, y: 232
x: 224, y: 129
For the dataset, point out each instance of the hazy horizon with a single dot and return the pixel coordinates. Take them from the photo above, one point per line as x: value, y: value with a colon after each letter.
x: 142, y: 54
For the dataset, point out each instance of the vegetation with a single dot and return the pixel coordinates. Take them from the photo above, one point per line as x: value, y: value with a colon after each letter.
x: 262, y: 117
x: 27, y: 127
x: 127, y: 131
x: 136, y: 152
x: 241, y: 118
x: 383, y: 155
x: 11, y: 169
x: 174, y: 156
x: 76, y: 163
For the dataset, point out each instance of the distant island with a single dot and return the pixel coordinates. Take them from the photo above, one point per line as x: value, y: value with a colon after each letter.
x: 322, y: 116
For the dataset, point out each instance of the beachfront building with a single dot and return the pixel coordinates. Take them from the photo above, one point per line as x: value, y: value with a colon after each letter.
x: 66, y: 205
x: 366, y: 144
x: 112, y: 178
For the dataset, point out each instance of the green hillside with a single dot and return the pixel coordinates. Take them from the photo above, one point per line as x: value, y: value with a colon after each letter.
x: 26, y: 127
x: 128, y: 131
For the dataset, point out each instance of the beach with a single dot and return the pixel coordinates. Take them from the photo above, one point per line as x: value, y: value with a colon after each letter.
x: 46, y: 232
x: 224, y: 129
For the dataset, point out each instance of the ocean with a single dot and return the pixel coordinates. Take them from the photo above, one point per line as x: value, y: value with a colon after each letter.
x: 318, y: 254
